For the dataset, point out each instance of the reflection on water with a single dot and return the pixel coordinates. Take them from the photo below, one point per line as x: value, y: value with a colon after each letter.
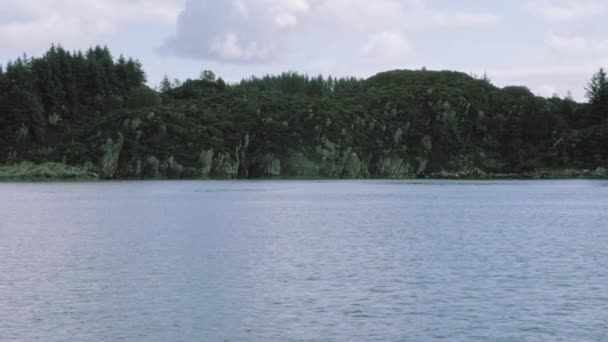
x: 304, y: 261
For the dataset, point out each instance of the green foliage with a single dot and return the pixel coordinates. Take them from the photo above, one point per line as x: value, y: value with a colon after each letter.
x: 165, y: 85
x: 597, y: 93
x: 207, y: 75
x: 49, y: 170
x: 141, y: 97
x: 64, y: 106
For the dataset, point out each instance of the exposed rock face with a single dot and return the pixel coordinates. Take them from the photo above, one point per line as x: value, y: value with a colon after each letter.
x: 205, y: 160
x: 108, y: 163
x: 151, y: 168
x: 297, y: 164
x: 394, y: 168
x: 331, y: 159
x: 266, y: 166
x: 422, y: 166
x: 353, y: 167
x: 224, y: 166
x: 398, y: 135
x: 135, y: 169
x: 172, y: 169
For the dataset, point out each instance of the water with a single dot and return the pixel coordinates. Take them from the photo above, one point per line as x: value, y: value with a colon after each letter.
x: 304, y: 261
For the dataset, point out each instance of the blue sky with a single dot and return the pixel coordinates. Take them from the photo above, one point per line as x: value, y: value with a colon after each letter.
x: 551, y: 46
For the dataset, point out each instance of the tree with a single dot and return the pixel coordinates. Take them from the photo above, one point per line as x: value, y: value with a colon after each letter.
x: 165, y: 85
x: 221, y: 83
x: 486, y: 78
x: 597, y: 93
x: 207, y: 75
x: 141, y: 97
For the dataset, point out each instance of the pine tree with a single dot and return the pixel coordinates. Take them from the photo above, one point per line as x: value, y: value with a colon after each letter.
x: 597, y: 93
x: 165, y: 85
x: 207, y: 75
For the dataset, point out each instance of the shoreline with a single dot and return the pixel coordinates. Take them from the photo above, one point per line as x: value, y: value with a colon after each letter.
x: 59, y: 172
x: 498, y: 177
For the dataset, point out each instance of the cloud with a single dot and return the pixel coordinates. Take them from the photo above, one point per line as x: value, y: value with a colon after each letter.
x: 353, y: 14
x: 75, y: 22
x: 389, y: 45
x: 230, y: 47
x: 234, y: 30
x: 566, y: 10
x: 557, y: 42
x: 261, y: 30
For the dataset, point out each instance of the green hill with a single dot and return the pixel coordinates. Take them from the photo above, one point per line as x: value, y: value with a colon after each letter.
x: 94, y: 112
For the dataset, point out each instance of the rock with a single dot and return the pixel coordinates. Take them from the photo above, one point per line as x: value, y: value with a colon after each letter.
x: 394, y: 168
x: 173, y: 168
x: 266, y: 166
x: 398, y: 135
x: 422, y: 166
x: 190, y: 173
x: 88, y: 166
x: 110, y: 156
x: 54, y: 119
x: 246, y: 141
x: 224, y: 166
x: 22, y: 133
x: 135, y: 123
x: 601, y: 172
x: 331, y: 160
x: 151, y: 168
x: 297, y: 164
x: 135, y: 169
x: 427, y: 143
x: 205, y: 160
x: 353, y: 167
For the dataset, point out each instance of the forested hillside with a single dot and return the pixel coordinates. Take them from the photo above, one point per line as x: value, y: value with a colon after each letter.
x: 93, y: 112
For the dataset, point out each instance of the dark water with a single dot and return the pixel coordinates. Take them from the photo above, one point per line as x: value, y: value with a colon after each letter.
x: 304, y: 261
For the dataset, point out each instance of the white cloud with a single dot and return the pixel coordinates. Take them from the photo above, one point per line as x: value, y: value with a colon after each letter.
x: 286, y: 12
x: 388, y: 45
x: 563, y: 42
x: 353, y: 14
x: 566, y: 10
x: 231, y: 48
x: 227, y: 30
x: 77, y: 22
x: 559, y: 42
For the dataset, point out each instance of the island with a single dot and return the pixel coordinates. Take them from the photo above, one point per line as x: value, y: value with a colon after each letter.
x: 89, y: 115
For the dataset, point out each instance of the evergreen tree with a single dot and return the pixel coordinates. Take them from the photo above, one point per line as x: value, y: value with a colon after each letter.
x: 597, y: 93
x: 207, y: 75
x: 165, y: 85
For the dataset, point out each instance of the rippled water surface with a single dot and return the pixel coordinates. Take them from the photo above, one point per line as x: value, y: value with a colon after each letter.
x: 304, y: 261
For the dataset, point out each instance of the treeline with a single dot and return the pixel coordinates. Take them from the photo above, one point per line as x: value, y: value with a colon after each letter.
x: 90, y: 108
x: 64, y: 85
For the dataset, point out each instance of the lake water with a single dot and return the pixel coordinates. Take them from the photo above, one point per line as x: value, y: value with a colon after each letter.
x: 304, y: 261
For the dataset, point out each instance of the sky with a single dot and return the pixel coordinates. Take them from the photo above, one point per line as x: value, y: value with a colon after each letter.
x: 550, y: 46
